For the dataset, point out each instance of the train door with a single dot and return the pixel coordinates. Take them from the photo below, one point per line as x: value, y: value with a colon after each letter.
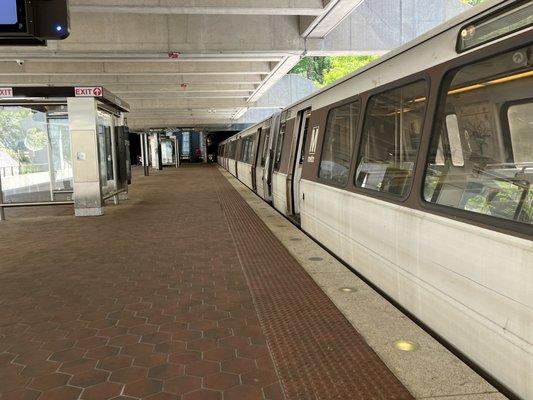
x: 303, y: 127
x: 261, y: 171
x: 256, y: 144
x: 237, y: 156
x: 269, y: 158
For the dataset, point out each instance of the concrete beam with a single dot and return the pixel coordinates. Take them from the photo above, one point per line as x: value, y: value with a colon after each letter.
x: 175, y: 103
x: 206, y: 7
x: 182, y: 112
x: 162, y: 95
x: 139, y: 69
x: 119, y: 89
x: 188, y: 34
x: 145, y: 124
x: 335, y: 12
x: 171, y: 81
x: 134, y: 57
x: 377, y: 26
x: 279, y: 71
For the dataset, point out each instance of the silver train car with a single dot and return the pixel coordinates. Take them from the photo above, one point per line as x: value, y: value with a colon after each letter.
x: 417, y: 172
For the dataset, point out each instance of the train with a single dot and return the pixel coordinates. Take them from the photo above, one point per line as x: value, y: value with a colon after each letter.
x: 416, y: 171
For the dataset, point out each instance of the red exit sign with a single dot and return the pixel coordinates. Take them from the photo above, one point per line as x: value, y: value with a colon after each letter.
x: 90, y: 91
x: 6, y: 92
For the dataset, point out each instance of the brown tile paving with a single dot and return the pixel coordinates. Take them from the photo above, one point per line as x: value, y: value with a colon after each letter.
x: 97, y: 311
x: 317, y: 353
x: 147, y: 302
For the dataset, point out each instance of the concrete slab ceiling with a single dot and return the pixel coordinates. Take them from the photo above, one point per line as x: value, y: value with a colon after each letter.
x: 204, y: 63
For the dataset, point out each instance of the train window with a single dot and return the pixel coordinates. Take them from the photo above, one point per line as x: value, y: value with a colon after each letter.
x: 250, y: 149
x: 247, y: 152
x: 493, y: 104
x: 279, y: 146
x: 339, y: 140
x: 390, y: 140
x: 264, y: 153
x: 307, y: 116
x: 241, y: 154
x: 244, y: 143
x: 234, y: 149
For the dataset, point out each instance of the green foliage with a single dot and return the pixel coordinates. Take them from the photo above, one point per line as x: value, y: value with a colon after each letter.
x: 326, y: 70
x: 36, y: 139
x: 473, y: 2
x: 313, y: 68
x: 12, y: 136
x: 345, y: 65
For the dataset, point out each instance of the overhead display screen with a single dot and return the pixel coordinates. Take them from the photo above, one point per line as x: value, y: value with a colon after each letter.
x: 8, y: 12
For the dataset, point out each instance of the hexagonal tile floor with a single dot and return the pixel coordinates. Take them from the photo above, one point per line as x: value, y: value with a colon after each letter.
x: 147, y: 302
x: 173, y: 295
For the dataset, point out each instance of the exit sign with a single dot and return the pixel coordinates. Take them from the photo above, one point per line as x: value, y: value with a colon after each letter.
x: 6, y: 92
x: 89, y: 91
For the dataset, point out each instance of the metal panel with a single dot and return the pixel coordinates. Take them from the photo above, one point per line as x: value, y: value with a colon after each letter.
x: 87, y: 185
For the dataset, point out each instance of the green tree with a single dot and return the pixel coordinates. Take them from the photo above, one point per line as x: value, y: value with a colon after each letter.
x: 36, y: 139
x: 345, y: 65
x: 473, y: 2
x: 325, y: 70
x: 313, y: 68
x: 12, y: 136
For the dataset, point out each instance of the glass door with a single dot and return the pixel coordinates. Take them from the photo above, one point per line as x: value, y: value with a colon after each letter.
x: 60, y: 157
x: 105, y: 127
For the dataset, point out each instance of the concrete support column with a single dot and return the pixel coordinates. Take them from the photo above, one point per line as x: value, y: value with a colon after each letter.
x: 85, y: 162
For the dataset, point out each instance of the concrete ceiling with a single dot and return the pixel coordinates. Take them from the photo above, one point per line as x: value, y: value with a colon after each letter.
x: 230, y: 53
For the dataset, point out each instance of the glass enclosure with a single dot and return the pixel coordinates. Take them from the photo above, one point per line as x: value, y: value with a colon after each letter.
x: 105, y: 128
x: 35, y: 155
x: 186, y: 145
x: 168, y: 151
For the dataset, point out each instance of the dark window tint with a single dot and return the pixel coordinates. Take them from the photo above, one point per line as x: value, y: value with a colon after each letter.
x: 244, y: 142
x: 488, y: 167
x: 339, y: 140
x: 231, y: 149
x: 307, y: 116
x: 266, y: 143
x: 279, y: 146
x: 391, y: 137
x: 247, y: 153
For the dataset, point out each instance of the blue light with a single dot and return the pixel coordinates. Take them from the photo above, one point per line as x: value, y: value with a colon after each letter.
x: 59, y: 28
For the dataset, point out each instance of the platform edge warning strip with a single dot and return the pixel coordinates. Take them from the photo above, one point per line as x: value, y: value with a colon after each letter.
x: 317, y: 353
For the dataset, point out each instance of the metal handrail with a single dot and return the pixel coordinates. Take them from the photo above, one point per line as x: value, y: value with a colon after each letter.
x: 114, y: 194
x: 40, y: 204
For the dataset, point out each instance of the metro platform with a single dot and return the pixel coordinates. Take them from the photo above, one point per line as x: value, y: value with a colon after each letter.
x: 196, y: 289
